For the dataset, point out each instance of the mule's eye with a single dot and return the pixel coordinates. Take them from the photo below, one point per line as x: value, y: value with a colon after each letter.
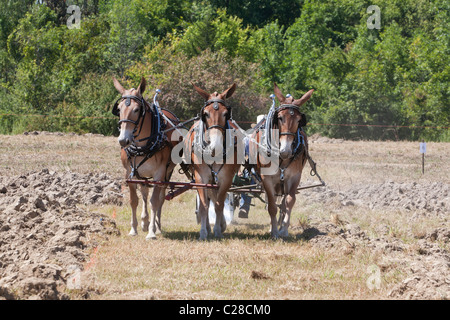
x: 207, y: 114
x: 225, y: 114
x: 280, y: 119
x: 136, y: 110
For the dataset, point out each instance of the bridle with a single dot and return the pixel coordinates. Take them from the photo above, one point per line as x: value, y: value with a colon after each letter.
x: 144, y: 108
x: 199, y: 143
x: 154, y: 142
x: 216, y: 107
x: 293, y: 108
x: 297, y: 135
x: 271, y: 123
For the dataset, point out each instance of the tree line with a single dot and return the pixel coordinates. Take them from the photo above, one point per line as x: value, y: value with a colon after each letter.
x: 395, y: 76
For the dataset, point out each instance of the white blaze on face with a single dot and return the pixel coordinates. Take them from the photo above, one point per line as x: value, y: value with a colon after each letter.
x: 216, y: 141
x: 285, y: 148
x: 125, y: 137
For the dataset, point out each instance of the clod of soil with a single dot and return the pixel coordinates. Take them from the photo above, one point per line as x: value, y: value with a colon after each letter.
x: 44, y: 229
x: 426, y: 262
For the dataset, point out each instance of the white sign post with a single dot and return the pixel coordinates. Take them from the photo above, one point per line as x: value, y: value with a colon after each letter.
x: 423, y: 150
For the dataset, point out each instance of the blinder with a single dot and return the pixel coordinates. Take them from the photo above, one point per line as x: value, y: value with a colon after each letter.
x: 302, y: 122
x: 115, y: 110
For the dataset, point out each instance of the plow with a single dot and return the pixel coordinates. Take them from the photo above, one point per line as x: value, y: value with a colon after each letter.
x: 177, y: 188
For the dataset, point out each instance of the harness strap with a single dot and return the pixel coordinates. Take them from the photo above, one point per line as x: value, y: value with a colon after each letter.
x: 215, y: 174
x: 286, y: 106
x: 216, y: 102
x: 155, y: 142
x: 216, y: 106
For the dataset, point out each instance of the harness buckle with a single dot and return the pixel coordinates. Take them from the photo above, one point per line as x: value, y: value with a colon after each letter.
x: 282, y: 174
x: 216, y: 180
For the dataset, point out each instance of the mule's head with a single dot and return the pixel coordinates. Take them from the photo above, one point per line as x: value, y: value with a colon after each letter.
x: 289, y: 119
x: 130, y: 108
x: 215, y: 114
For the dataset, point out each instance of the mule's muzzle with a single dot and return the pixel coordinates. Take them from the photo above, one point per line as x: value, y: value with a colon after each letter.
x: 124, y: 142
x: 125, y: 138
x: 285, y: 154
x: 286, y: 148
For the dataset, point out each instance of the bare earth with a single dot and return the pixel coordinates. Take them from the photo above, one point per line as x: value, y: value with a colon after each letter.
x: 379, y: 229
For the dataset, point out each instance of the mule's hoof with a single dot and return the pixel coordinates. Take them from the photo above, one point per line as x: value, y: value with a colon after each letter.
x: 283, y: 233
x: 275, y: 235
x: 144, y: 227
x: 218, y: 235
x: 150, y: 237
x: 203, y: 235
x: 132, y: 233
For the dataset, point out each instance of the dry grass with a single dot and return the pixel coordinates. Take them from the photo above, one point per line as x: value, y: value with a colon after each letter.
x: 20, y: 154
x: 246, y: 264
x: 376, y: 162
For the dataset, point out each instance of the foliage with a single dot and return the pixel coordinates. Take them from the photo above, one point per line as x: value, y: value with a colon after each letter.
x: 396, y: 76
x: 174, y: 74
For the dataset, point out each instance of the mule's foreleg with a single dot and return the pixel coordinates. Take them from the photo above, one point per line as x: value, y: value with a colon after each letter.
x: 272, y: 208
x: 162, y: 198
x: 158, y: 212
x: 202, y: 214
x: 133, y: 203
x: 271, y: 203
x: 155, y: 205
x: 289, y: 202
x: 221, y: 225
x: 282, y: 211
x: 144, y: 214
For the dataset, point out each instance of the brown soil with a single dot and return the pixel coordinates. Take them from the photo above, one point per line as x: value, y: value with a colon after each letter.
x: 46, y: 232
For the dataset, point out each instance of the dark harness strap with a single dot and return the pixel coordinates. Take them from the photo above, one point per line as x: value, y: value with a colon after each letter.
x: 216, y: 107
x: 155, y: 142
x: 303, y: 121
x: 216, y: 102
x: 142, y: 102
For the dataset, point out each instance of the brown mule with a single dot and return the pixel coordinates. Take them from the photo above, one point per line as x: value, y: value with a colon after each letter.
x: 291, y: 152
x: 206, y: 140
x: 145, y: 152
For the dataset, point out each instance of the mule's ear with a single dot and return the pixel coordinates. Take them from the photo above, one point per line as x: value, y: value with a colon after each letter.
x: 202, y: 92
x: 142, y: 85
x: 303, y: 99
x: 278, y: 93
x: 229, y: 92
x: 118, y: 86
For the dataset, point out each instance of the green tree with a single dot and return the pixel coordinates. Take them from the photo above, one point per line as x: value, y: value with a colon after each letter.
x: 127, y: 36
x: 261, y: 12
x: 216, y: 31
x: 174, y: 74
